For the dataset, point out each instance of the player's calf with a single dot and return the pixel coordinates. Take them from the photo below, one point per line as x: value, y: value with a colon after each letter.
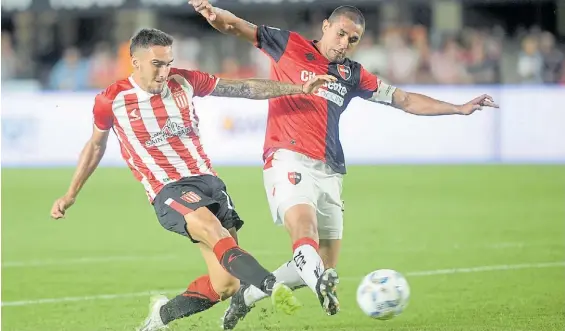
x: 329, y: 251
x: 204, y: 227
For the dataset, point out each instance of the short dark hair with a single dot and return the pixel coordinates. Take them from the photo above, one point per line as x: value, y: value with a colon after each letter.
x: 350, y: 12
x: 146, y: 38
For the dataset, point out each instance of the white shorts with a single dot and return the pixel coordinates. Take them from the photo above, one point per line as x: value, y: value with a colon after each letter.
x: 292, y: 178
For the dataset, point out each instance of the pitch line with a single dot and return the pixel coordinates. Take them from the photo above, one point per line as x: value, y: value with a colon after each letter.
x: 424, y: 273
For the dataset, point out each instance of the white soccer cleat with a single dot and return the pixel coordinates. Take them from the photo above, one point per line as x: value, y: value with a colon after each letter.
x: 153, y: 322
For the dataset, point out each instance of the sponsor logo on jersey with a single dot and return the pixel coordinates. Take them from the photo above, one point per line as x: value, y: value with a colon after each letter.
x: 334, y: 91
x: 171, y: 129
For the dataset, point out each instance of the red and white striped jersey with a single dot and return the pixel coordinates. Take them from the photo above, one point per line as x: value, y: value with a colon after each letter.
x: 158, y: 133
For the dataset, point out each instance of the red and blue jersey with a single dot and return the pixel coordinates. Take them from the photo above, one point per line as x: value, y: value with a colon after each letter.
x: 309, y: 124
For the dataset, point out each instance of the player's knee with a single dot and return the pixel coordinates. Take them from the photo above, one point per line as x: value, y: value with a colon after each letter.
x: 204, y: 226
x: 300, y: 221
x: 227, y: 287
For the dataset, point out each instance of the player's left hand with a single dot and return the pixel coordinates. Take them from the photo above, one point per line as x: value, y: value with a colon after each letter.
x: 478, y: 103
x: 204, y: 8
x: 312, y: 86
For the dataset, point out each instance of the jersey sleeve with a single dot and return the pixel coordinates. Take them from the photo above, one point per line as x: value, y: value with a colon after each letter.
x: 272, y: 41
x: 203, y: 83
x: 368, y: 84
x: 102, y: 111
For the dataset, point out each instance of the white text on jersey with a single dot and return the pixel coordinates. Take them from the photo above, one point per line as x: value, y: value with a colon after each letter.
x: 171, y: 129
x: 331, y: 88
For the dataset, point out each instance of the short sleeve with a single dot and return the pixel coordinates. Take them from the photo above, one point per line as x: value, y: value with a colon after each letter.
x: 368, y: 84
x: 272, y: 41
x: 203, y: 83
x: 102, y: 111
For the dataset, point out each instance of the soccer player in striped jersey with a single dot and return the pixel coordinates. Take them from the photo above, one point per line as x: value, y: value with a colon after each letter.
x: 153, y: 116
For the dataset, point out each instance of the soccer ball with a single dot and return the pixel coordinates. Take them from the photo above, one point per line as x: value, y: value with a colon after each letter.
x: 383, y: 294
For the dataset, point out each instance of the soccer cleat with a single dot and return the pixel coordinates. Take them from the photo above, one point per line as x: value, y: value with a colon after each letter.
x: 236, y: 310
x: 326, y: 288
x: 283, y: 299
x: 153, y: 322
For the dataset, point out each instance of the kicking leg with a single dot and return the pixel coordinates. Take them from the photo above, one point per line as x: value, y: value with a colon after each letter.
x: 227, y: 263
x: 204, y: 292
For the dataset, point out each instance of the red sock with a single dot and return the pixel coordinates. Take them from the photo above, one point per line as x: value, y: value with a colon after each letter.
x: 199, y: 296
x: 202, y: 287
x: 305, y: 241
x: 223, y: 245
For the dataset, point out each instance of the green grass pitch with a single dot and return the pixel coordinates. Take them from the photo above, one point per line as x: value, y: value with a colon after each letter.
x: 408, y: 218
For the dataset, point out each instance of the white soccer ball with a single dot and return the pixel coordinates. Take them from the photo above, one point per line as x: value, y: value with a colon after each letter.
x: 383, y: 294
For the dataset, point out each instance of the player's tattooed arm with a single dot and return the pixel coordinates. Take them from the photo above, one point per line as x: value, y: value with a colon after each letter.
x: 266, y: 89
x: 224, y: 21
x: 419, y: 104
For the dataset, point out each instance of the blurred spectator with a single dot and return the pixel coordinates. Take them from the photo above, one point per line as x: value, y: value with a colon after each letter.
x: 419, y: 37
x: 70, y: 73
x: 399, y: 53
x: 231, y: 69
x: 530, y: 62
x: 103, y: 67
x: 552, y: 58
x: 447, y: 64
x: 186, y: 51
x: 403, y: 59
x: 124, y: 68
x: 372, y: 55
x: 481, y: 66
x: 9, y: 58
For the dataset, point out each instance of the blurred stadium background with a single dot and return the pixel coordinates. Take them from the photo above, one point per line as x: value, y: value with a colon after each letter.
x: 480, y: 234
x: 82, y: 44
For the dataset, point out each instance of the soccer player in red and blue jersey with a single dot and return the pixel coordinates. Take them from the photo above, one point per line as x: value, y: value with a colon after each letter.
x: 304, y: 161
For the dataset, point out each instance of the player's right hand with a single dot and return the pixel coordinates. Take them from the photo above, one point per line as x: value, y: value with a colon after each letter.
x: 204, y: 8
x: 60, y: 206
x: 312, y: 86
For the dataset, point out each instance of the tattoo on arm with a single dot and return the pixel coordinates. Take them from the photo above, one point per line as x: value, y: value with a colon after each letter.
x: 254, y: 89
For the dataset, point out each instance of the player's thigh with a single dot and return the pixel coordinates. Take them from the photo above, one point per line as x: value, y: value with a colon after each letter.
x: 223, y: 282
x: 226, y: 208
x: 187, y: 207
x: 291, y: 191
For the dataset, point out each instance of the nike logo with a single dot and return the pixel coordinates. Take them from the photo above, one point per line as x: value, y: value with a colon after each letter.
x: 232, y: 258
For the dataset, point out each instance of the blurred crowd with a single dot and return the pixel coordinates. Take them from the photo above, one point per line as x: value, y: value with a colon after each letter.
x: 400, y: 55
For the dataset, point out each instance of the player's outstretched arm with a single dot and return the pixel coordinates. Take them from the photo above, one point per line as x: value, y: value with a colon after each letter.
x: 266, y: 89
x: 419, y: 104
x: 89, y: 159
x: 224, y: 21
